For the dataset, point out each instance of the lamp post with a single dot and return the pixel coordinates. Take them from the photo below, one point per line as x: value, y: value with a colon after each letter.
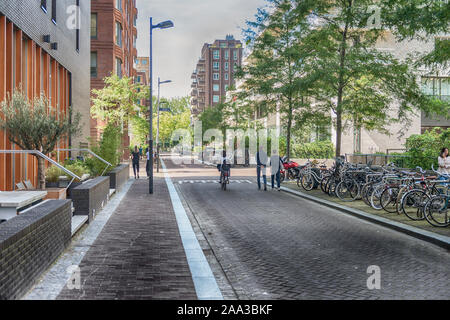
x: 162, y: 25
x: 157, y: 126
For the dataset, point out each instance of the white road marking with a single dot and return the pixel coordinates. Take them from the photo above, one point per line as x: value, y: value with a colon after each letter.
x: 204, y: 281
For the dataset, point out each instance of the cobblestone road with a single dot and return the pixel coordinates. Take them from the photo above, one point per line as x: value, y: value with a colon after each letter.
x: 275, y: 246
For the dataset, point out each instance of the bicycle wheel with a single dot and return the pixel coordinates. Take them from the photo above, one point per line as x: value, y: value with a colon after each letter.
x: 347, y: 190
x: 437, y: 211
x: 331, y: 187
x: 307, y: 181
x: 413, y: 203
x: 366, y: 191
x: 323, y: 184
x: 375, y: 197
x: 400, y: 195
x: 388, y: 199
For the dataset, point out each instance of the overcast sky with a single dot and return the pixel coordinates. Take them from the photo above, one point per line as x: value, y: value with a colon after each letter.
x: 177, y: 50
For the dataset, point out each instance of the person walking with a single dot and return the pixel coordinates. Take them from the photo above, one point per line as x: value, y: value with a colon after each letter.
x: 275, y: 167
x: 261, y: 163
x: 444, y: 162
x: 135, y: 161
x: 140, y: 152
x: 147, y: 166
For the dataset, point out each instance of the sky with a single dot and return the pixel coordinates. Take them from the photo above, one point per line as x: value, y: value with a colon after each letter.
x: 177, y: 50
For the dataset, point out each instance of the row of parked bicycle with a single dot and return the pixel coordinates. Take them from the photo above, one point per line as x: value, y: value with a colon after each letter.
x: 418, y: 195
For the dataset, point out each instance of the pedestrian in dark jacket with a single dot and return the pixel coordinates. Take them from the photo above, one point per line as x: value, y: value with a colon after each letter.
x: 135, y: 161
x: 261, y: 164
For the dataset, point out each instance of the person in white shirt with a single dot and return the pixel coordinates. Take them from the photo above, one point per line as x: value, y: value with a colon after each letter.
x: 444, y: 162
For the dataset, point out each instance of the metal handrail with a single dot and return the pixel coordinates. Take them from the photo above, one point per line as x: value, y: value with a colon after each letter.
x: 92, y: 153
x: 40, y: 154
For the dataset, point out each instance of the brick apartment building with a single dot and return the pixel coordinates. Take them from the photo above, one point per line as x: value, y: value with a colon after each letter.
x: 142, y: 65
x: 41, y: 53
x: 214, y: 72
x: 113, y: 48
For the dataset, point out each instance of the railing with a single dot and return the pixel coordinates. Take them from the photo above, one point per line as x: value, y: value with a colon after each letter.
x: 43, y: 156
x: 90, y: 152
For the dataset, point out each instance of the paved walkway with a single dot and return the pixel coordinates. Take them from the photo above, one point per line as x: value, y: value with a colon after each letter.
x: 139, y: 253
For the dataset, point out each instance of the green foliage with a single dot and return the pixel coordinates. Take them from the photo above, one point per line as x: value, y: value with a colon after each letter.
x: 78, y: 168
x: 53, y: 173
x: 424, y: 149
x: 36, y: 125
x: 107, y: 148
x: 212, y: 118
x: 314, y: 150
x: 118, y: 101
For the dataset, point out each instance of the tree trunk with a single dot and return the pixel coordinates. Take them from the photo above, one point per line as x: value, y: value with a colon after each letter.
x: 41, y: 173
x: 288, y: 137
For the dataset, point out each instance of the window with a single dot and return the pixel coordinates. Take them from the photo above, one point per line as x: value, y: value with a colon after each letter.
x: 235, y: 54
x: 226, y: 76
x: 54, y: 11
x: 94, y: 64
x: 134, y: 41
x: 144, y: 62
x: 226, y: 66
x: 216, y: 66
x: 216, y: 98
x: 119, y: 5
x: 135, y: 20
x: 216, y: 54
x: 227, y: 54
x: 119, y: 67
x: 215, y: 76
x: 93, y: 26
x: 223, y: 45
x: 44, y: 5
x: 436, y: 87
x: 235, y: 67
x: 118, y: 34
x: 216, y: 87
x: 139, y: 79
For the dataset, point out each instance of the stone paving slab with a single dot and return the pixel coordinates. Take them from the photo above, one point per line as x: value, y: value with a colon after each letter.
x: 139, y: 253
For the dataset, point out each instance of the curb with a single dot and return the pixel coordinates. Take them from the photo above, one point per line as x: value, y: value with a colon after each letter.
x: 439, y: 240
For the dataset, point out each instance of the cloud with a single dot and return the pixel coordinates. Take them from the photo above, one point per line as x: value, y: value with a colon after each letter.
x: 176, y: 50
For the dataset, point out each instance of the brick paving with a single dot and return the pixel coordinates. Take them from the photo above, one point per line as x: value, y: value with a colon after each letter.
x: 275, y: 246
x: 139, y: 253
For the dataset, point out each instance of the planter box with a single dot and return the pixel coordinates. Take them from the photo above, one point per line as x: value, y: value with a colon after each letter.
x: 119, y: 176
x: 90, y: 197
x: 30, y: 243
x: 56, y: 194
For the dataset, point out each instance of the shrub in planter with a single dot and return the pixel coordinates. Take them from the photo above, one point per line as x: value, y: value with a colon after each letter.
x: 52, y: 176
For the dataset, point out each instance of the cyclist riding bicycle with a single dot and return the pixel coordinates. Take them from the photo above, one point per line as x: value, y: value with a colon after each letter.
x: 224, y: 160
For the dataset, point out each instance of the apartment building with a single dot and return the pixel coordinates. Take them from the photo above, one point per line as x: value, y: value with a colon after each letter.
x: 214, y: 72
x: 113, y: 48
x: 142, y: 66
x: 44, y: 48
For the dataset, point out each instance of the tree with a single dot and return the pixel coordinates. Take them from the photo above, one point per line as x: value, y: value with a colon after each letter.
x: 118, y: 101
x: 418, y: 19
x: 276, y: 70
x: 356, y: 81
x: 36, y: 125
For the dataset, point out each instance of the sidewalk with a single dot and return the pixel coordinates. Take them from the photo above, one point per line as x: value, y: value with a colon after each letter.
x: 139, y: 253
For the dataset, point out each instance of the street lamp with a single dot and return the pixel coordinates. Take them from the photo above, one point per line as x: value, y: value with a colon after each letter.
x: 162, y: 25
x: 157, y: 126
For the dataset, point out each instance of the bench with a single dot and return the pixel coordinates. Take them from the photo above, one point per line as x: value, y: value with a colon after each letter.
x: 12, y: 201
